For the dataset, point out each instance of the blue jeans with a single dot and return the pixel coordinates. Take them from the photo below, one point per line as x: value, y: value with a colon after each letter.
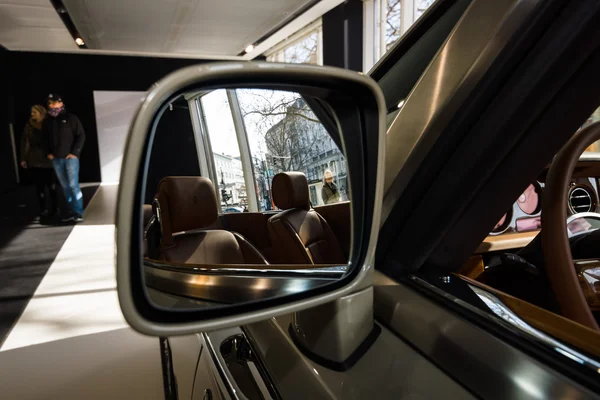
x: 67, y: 172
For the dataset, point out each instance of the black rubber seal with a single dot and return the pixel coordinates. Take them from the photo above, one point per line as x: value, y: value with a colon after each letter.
x: 334, y: 365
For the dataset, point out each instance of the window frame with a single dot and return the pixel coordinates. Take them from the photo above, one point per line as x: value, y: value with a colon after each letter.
x: 277, y: 52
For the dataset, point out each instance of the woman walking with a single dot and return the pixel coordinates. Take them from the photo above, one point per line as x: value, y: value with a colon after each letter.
x: 33, y: 158
x: 329, y: 193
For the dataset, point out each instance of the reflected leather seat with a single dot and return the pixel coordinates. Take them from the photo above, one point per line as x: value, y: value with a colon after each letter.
x: 190, y: 228
x: 299, y: 234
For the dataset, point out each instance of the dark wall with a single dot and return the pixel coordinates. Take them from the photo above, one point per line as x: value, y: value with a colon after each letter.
x: 31, y: 76
x: 343, y: 36
x: 173, y: 150
x: 7, y: 170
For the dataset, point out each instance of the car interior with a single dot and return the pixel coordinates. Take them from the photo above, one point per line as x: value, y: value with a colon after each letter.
x: 518, y: 256
x: 183, y: 226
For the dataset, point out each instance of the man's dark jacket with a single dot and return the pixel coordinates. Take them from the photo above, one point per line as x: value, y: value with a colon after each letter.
x: 65, y: 135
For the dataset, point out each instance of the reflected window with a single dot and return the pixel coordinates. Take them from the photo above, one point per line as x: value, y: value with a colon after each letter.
x: 225, y: 152
x: 284, y: 133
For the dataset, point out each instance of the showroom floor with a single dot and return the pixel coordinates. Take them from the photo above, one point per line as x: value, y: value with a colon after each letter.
x: 71, y: 341
x: 77, y: 295
x: 28, y: 247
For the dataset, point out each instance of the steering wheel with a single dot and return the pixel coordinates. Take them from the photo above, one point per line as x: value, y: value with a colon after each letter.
x: 561, y: 268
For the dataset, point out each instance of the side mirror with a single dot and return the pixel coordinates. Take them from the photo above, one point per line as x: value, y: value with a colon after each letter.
x: 265, y: 185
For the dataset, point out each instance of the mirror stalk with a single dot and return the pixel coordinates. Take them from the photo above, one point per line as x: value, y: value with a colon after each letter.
x: 336, y: 334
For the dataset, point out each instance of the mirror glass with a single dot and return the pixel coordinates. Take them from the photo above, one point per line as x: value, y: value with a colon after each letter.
x: 246, y: 197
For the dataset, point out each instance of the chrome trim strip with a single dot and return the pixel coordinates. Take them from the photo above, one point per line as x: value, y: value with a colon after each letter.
x: 228, y: 289
x: 486, y: 364
x: 196, y: 269
x: 501, y: 310
x: 220, y: 364
x: 226, y: 378
x: 581, y: 215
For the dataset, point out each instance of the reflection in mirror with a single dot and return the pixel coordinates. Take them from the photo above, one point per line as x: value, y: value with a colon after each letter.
x: 247, y: 197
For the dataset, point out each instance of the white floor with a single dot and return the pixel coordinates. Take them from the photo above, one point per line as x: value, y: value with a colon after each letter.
x: 71, y: 341
x: 78, y: 294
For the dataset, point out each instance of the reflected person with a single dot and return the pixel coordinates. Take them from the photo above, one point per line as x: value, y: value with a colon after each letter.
x: 33, y: 158
x: 329, y: 192
x: 66, y: 137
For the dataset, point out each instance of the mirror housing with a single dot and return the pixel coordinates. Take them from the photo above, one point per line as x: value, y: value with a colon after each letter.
x: 356, y: 110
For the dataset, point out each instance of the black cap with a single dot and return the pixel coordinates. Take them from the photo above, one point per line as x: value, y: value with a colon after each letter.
x: 54, y: 97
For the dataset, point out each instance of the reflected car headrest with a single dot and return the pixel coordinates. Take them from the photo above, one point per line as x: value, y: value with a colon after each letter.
x: 186, y: 203
x: 290, y: 190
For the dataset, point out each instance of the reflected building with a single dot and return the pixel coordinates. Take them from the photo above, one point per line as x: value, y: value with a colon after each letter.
x: 231, y: 180
x: 299, y: 142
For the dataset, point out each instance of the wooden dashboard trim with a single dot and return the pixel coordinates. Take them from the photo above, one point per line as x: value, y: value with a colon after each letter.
x: 506, y: 241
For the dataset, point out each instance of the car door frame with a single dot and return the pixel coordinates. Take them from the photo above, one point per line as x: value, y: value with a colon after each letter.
x: 515, y: 102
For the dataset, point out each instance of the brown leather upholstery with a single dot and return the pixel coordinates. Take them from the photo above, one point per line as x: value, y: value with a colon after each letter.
x: 186, y: 203
x: 191, y: 231
x: 299, y: 234
x: 338, y: 217
x: 213, y: 247
x: 252, y: 226
x: 290, y: 190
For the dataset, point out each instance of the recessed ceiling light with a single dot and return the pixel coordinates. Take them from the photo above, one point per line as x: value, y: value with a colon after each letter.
x: 401, y: 104
x: 79, y: 41
x: 249, y: 48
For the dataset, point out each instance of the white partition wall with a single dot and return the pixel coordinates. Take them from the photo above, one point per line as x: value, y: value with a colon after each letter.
x: 114, y: 112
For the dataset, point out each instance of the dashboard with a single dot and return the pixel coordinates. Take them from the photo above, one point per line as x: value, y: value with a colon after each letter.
x: 522, y: 221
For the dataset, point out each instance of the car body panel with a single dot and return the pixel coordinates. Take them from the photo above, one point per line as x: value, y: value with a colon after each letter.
x: 390, y: 369
x: 492, y: 368
x: 119, y: 364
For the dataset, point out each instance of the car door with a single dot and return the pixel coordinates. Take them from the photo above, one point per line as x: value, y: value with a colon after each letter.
x: 492, y: 124
x: 417, y: 297
x: 462, y: 121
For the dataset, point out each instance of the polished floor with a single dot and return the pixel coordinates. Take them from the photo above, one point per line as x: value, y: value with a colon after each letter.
x: 28, y: 247
x: 71, y: 341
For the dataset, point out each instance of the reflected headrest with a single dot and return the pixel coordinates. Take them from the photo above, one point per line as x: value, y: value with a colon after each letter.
x: 191, y: 203
x: 290, y: 190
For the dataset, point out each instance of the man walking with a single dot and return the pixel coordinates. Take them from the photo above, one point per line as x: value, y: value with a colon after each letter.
x: 65, y: 141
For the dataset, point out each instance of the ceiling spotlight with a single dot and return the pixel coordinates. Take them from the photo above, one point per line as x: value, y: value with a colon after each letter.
x: 79, y: 41
x: 401, y: 104
x: 249, y: 48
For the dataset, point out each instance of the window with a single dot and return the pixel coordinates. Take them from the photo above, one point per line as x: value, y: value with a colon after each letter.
x: 225, y: 151
x: 304, y: 47
x: 283, y: 132
x: 386, y: 21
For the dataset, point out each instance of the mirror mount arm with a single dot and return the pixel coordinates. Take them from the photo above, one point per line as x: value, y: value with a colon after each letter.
x: 336, y: 334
